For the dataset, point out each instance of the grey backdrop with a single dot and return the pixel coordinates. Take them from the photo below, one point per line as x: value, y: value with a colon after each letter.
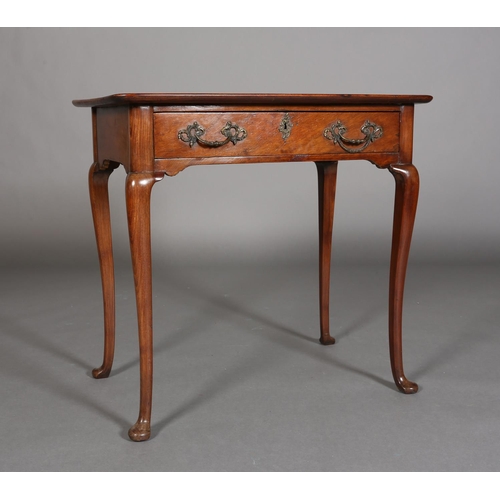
x: 241, y: 382
x: 263, y: 210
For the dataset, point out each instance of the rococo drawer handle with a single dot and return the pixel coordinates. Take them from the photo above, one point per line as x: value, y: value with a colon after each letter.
x: 192, y: 135
x: 336, y: 131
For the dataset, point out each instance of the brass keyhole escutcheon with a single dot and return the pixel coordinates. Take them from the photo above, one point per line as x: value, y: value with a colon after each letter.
x: 286, y: 127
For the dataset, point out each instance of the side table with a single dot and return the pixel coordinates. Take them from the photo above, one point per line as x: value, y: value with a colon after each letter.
x: 153, y: 135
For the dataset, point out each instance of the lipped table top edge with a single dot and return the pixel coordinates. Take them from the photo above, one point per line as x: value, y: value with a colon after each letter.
x: 226, y: 99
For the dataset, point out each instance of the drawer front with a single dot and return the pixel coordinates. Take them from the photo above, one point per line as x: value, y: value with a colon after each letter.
x: 218, y: 134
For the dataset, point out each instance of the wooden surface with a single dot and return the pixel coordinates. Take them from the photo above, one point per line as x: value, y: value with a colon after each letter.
x: 306, y: 135
x: 162, y: 99
x: 147, y: 134
x: 138, y: 194
x: 327, y: 182
x: 99, y: 200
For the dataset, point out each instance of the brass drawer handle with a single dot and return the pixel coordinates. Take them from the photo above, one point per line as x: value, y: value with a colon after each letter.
x: 336, y: 131
x: 192, y: 135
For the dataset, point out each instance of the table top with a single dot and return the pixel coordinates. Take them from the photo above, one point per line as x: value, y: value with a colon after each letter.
x: 198, y: 99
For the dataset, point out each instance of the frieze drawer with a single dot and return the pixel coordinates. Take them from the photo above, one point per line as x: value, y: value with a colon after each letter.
x: 213, y: 134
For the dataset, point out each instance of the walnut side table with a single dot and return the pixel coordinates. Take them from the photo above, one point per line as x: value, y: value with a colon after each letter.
x: 153, y: 135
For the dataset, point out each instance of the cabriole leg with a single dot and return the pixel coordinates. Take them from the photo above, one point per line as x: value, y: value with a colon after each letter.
x: 99, y: 200
x: 327, y: 180
x: 138, y: 196
x: 405, y: 206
